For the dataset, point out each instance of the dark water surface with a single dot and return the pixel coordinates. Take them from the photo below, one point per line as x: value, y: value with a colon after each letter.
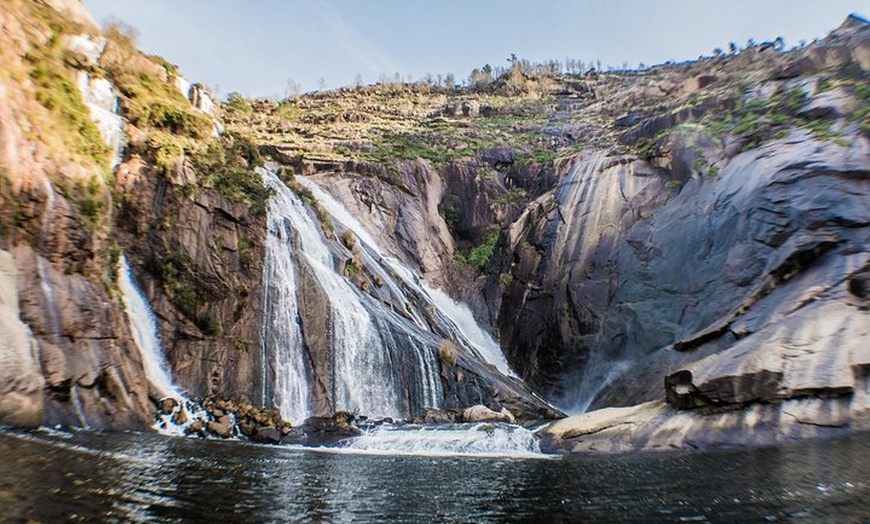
x: 124, y: 477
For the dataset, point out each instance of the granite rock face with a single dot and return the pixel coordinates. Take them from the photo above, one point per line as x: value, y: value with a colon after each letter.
x: 21, y: 401
x: 616, y: 272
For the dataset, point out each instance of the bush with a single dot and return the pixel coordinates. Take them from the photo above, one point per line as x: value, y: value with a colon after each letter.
x: 236, y: 103
x: 480, y: 255
x: 447, y: 353
x: 149, y: 100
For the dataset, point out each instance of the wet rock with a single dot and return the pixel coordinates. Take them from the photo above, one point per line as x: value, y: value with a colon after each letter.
x: 180, y: 417
x: 323, y: 431
x: 481, y: 413
x: 440, y: 416
x: 167, y: 405
x: 222, y: 429
x: 267, y: 435
x: 197, y: 428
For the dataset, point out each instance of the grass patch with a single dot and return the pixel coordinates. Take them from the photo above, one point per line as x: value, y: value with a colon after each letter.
x: 447, y: 353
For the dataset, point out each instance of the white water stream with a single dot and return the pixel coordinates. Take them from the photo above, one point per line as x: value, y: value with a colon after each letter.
x: 456, y: 313
x: 143, y: 326
x: 364, y: 376
x: 485, y: 439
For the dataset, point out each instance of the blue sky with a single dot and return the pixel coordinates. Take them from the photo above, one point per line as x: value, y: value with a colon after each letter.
x: 254, y: 47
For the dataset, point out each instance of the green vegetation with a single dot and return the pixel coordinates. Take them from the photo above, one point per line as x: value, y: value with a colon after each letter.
x: 447, y: 353
x: 351, y: 269
x: 70, y: 119
x: 162, y: 148
x: 228, y: 162
x: 238, y: 104
x: 149, y: 99
x: 479, y: 256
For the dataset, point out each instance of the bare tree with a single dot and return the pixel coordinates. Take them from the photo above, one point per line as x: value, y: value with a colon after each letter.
x: 292, y: 89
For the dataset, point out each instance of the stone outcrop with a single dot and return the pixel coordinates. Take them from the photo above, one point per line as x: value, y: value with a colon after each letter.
x: 404, y: 204
x: 481, y: 413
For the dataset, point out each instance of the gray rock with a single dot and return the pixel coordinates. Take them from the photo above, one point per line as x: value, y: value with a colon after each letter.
x: 481, y: 413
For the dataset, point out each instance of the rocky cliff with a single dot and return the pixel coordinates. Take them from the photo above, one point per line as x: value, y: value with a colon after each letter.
x: 71, y: 97
x: 713, y: 208
x: 689, y: 240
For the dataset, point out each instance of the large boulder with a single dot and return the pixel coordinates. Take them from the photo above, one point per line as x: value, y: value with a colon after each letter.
x: 481, y: 413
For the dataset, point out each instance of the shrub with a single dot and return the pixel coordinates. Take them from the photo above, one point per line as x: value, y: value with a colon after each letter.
x: 447, y: 353
x: 348, y: 239
x: 236, y: 103
x: 162, y: 148
x: 149, y: 100
x: 480, y: 255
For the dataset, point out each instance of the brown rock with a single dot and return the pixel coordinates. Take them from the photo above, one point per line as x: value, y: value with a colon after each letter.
x: 167, y: 405
x: 220, y: 429
x: 180, y: 417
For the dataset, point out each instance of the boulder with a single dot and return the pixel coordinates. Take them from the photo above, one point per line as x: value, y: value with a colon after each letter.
x: 440, y: 416
x: 167, y: 405
x: 481, y: 413
x: 267, y: 435
x: 222, y: 429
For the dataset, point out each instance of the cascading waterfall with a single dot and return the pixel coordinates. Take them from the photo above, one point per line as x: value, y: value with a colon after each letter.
x: 101, y: 98
x: 469, y: 330
x: 144, y: 328
x: 364, y: 375
x: 281, y: 335
x: 458, y: 316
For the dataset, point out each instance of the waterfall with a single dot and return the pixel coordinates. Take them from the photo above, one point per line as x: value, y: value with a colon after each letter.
x: 101, y: 98
x: 281, y: 336
x: 144, y: 328
x: 484, y: 439
x: 469, y: 330
x: 458, y: 316
x: 365, y: 377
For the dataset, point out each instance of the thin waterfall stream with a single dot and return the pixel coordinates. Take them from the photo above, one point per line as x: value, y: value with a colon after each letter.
x: 143, y: 326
